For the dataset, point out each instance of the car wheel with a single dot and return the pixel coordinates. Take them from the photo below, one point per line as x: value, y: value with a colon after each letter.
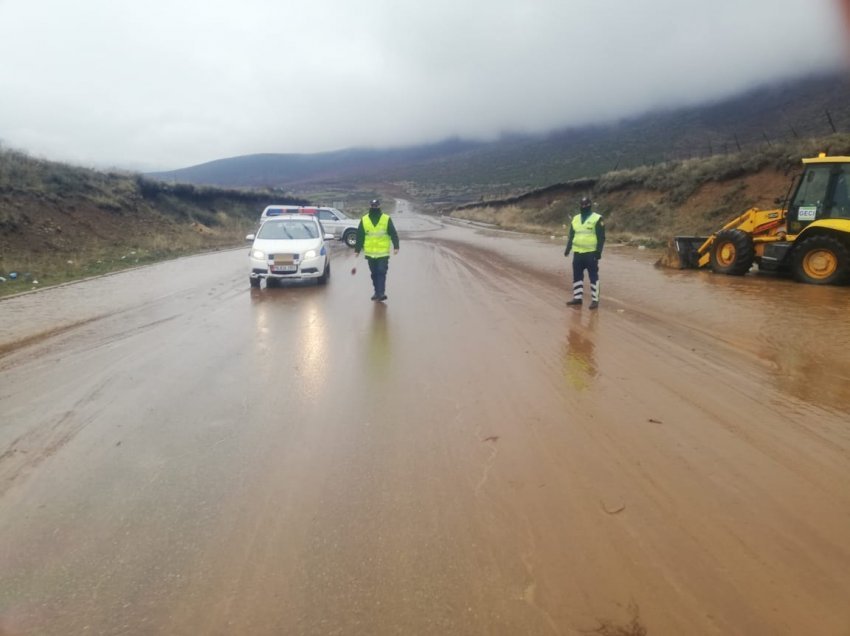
x: 350, y: 238
x: 323, y: 279
x: 255, y: 282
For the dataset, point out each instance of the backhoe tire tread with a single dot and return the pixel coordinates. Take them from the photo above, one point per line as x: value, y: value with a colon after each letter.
x: 732, y: 252
x: 821, y: 260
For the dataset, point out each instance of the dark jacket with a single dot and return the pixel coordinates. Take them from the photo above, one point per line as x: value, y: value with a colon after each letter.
x: 374, y: 216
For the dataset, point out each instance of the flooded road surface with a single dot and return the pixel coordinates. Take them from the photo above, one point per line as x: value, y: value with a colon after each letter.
x: 180, y: 454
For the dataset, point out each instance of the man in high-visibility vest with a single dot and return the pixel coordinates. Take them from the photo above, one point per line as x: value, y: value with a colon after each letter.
x: 586, y: 240
x: 375, y: 235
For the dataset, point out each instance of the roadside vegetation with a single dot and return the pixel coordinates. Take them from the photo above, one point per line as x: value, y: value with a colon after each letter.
x: 59, y: 222
x: 649, y: 204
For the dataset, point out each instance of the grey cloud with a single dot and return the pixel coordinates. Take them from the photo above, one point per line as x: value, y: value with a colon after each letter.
x: 168, y: 84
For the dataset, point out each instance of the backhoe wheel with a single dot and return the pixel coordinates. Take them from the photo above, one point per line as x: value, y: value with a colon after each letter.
x: 732, y: 252
x: 821, y: 260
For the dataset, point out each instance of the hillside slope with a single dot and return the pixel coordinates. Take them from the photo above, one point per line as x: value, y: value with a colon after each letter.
x: 464, y: 171
x: 650, y: 204
x: 59, y: 222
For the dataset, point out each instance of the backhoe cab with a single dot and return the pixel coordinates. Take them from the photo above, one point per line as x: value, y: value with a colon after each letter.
x: 810, y: 237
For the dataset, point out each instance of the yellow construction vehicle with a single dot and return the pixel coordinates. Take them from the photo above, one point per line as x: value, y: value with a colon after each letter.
x: 808, y: 237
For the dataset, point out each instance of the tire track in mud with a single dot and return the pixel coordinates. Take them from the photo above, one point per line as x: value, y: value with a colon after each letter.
x: 10, y: 347
x: 44, y: 439
x: 33, y: 317
x: 25, y: 453
x: 217, y: 296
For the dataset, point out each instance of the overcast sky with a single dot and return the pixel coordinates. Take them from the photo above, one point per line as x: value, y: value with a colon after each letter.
x: 161, y: 84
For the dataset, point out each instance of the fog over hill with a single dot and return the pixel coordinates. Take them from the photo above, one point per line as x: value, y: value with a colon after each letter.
x: 161, y: 85
x: 807, y: 107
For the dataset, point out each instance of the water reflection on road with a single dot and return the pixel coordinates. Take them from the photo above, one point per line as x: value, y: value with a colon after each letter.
x: 291, y: 336
x: 379, y: 348
x: 579, y: 347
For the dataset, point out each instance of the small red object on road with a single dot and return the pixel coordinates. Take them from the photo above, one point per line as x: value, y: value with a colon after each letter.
x: 353, y: 271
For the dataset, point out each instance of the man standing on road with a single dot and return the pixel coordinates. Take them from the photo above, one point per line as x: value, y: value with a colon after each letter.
x: 586, y: 240
x: 374, y: 235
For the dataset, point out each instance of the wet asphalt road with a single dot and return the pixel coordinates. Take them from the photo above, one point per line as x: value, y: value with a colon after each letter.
x: 180, y: 454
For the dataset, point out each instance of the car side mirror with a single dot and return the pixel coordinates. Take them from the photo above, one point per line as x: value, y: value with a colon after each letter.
x: 328, y: 236
x: 250, y: 238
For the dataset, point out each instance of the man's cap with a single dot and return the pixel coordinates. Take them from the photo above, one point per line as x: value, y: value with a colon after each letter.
x: 375, y: 203
x: 585, y: 202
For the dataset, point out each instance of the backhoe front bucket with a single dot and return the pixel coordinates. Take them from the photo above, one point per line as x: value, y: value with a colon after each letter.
x: 682, y: 252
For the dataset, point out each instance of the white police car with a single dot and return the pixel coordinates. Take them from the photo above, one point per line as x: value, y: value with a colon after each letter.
x: 289, y: 247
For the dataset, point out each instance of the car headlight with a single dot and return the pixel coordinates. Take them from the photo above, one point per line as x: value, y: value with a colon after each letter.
x: 310, y: 254
x: 260, y: 255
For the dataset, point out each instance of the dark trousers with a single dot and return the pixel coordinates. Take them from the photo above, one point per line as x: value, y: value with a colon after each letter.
x: 586, y: 261
x: 378, y: 267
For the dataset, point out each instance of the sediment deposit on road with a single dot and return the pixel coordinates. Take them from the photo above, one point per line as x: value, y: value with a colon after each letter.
x: 180, y: 454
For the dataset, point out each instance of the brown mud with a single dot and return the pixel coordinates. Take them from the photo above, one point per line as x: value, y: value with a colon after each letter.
x: 470, y: 457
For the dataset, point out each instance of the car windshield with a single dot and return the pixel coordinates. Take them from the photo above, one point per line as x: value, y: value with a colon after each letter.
x: 288, y: 229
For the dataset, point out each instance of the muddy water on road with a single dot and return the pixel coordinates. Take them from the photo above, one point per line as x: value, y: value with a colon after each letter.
x: 471, y: 457
x: 796, y: 334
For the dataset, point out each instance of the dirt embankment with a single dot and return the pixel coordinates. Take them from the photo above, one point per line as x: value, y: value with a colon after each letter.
x: 59, y: 222
x: 636, y: 213
x: 53, y: 239
x: 650, y: 204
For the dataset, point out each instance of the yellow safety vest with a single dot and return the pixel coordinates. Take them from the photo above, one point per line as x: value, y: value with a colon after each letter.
x: 584, y: 237
x: 377, y: 242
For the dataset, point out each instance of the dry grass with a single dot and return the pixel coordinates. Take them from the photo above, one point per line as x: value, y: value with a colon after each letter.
x: 649, y: 204
x: 517, y: 218
x: 61, y: 223
x: 39, y: 269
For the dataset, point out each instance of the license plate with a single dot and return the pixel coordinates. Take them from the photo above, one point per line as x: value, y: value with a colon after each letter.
x: 283, y: 269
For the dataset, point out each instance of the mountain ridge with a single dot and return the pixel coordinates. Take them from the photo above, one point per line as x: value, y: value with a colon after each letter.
x: 465, y: 170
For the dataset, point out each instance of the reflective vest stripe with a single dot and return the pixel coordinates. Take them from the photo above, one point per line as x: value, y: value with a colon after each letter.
x: 377, y: 242
x: 584, y: 237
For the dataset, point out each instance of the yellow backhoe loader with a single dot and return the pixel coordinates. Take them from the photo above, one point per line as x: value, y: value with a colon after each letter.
x: 809, y: 237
